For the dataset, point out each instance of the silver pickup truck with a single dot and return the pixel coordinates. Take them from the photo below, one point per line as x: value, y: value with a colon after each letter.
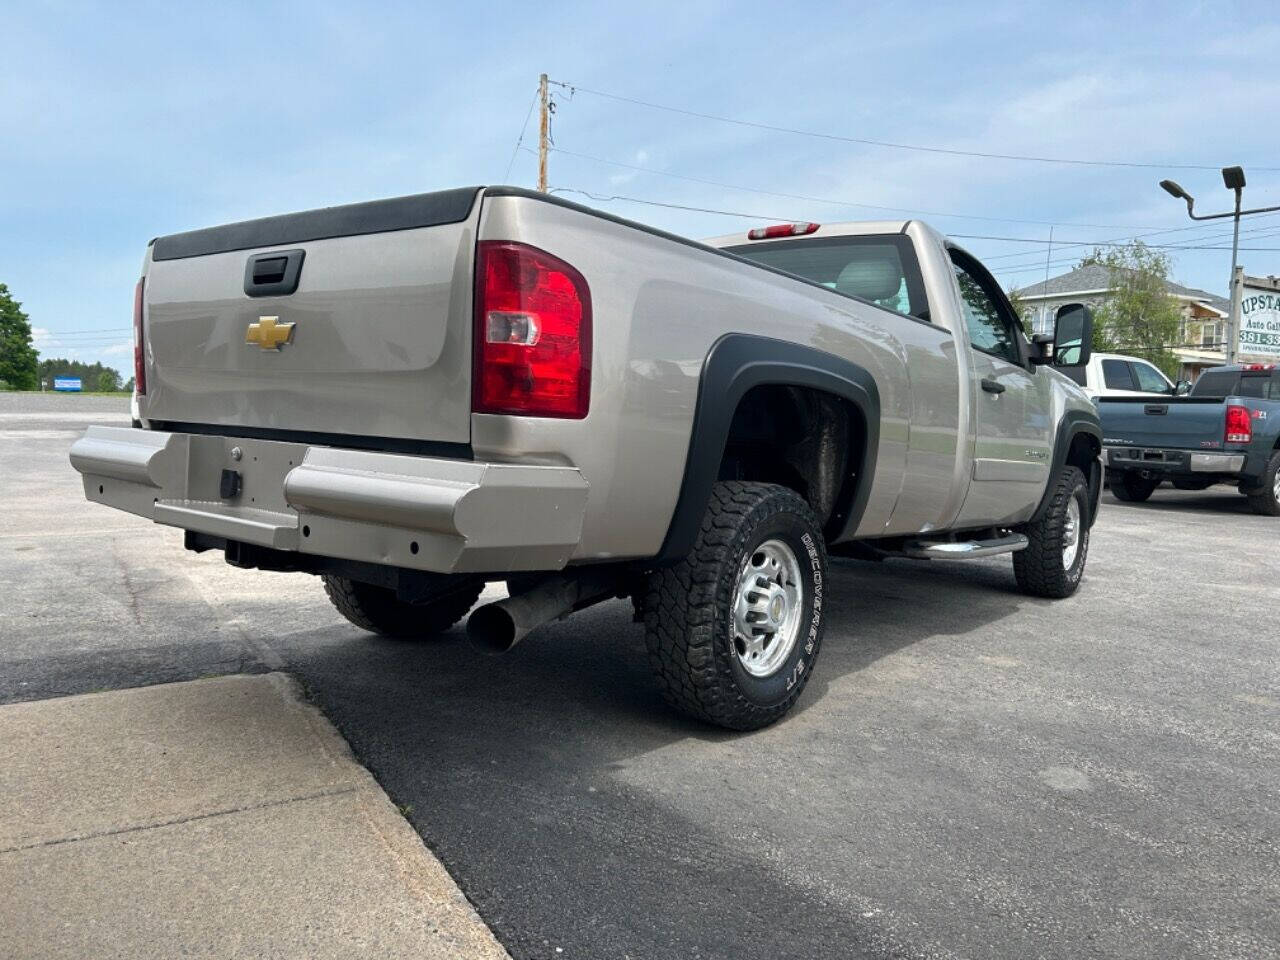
x: 414, y: 397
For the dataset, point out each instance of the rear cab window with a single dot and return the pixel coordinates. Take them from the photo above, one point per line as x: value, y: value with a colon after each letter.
x: 877, y: 269
x: 1216, y: 383
x: 1117, y: 375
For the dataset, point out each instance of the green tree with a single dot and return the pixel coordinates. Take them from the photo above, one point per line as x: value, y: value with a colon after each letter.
x: 1138, y: 315
x: 1021, y: 308
x: 17, y: 355
x: 108, y: 381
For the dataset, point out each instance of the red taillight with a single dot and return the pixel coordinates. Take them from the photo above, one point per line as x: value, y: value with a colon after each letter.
x: 1239, y: 426
x: 781, y: 230
x: 532, y: 333
x: 139, y: 367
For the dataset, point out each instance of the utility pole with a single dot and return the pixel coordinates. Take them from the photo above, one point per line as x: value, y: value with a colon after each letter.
x: 1237, y: 280
x: 544, y: 129
x: 1233, y: 323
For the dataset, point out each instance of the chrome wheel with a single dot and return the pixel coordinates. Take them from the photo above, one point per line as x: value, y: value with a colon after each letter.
x: 767, y: 607
x: 1275, y: 487
x: 1071, y: 534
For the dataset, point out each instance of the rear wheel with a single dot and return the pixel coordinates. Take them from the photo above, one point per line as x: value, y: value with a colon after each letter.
x: 734, y: 628
x: 1132, y: 487
x: 1266, y: 499
x: 1053, y: 562
x: 378, y: 610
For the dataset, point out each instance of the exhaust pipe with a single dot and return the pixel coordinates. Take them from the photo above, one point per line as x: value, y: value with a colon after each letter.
x: 499, y: 626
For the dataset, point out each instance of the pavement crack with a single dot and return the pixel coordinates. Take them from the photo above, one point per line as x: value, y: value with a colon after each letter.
x: 129, y: 586
x: 176, y: 821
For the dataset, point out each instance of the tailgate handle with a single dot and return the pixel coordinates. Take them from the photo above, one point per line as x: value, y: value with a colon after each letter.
x: 273, y: 274
x: 1156, y: 409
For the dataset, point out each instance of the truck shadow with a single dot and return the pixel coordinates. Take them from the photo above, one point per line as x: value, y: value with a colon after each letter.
x: 540, y: 777
x: 1224, y: 500
x: 592, y: 670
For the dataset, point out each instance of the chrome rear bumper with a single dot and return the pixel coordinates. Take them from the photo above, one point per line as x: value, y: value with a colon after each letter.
x: 424, y: 513
x: 1172, y: 461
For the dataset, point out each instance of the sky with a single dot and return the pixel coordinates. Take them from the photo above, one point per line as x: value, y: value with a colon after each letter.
x: 120, y: 122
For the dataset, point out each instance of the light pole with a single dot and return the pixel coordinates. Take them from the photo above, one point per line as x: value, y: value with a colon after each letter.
x: 1233, y: 179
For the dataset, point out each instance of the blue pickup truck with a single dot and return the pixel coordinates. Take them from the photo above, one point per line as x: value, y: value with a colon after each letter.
x: 1226, y: 430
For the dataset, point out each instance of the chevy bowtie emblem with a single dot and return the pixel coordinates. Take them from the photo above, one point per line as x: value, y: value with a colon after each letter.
x: 269, y: 333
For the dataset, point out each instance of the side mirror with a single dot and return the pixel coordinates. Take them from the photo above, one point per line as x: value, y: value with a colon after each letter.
x: 1041, y: 349
x: 1072, y: 335
x: 1182, y: 388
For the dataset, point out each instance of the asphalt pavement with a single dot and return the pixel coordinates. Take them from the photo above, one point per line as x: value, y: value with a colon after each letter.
x: 970, y: 772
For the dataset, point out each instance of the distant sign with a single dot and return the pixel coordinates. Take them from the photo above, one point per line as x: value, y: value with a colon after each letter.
x: 1260, y: 317
x: 69, y: 384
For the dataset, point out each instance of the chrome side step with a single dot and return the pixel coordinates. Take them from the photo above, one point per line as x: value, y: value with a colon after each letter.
x: 964, y: 549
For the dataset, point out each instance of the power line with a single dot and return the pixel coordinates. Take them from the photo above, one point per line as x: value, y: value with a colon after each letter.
x: 839, y: 203
x: 520, y: 139
x: 1030, y: 259
x: 969, y: 236
x: 886, y: 143
x: 1108, y: 243
x: 1199, y: 228
x: 673, y: 206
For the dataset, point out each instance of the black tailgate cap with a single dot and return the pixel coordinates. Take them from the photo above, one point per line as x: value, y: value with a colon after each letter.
x: 374, y: 216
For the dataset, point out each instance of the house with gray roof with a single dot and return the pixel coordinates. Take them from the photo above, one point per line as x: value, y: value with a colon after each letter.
x: 1203, y: 335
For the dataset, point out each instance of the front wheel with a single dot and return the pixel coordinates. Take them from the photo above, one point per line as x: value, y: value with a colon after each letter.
x: 734, y: 628
x: 1266, y: 499
x: 1132, y: 487
x: 1053, y: 562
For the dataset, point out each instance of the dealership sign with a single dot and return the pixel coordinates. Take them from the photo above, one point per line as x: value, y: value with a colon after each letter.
x: 1260, y: 317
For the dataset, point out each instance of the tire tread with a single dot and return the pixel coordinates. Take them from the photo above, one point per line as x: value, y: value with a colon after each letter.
x: 680, y: 603
x: 377, y: 610
x: 1038, y: 568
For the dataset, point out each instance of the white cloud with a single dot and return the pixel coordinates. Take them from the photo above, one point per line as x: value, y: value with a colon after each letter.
x: 640, y: 159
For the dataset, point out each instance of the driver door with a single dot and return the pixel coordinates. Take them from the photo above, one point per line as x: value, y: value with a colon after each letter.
x: 1013, y: 442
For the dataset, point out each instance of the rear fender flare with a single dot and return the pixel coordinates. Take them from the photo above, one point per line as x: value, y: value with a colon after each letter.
x: 735, y: 364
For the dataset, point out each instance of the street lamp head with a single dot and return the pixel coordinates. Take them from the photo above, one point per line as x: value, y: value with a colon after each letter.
x: 1172, y: 188
x: 1233, y: 177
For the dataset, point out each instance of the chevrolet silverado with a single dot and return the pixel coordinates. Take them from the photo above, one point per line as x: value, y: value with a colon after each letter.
x: 413, y: 397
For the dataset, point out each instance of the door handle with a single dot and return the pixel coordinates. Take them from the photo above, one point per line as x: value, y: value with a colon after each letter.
x: 991, y: 385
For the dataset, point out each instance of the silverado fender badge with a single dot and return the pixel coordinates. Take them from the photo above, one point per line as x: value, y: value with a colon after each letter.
x: 269, y: 334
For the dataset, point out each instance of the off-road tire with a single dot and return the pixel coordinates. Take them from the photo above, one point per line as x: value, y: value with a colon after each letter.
x: 1039, y: 568
x: 1264, y: 500
x: 688, y: 609
x: 1131, y: 486
x: 377, y: 610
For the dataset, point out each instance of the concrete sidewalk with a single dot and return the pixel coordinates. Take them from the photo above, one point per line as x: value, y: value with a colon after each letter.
x: 218, y: 818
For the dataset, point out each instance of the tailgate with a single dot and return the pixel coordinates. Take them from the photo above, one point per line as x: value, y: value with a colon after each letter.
x: 374, y: 341
x: 1185, y: 423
